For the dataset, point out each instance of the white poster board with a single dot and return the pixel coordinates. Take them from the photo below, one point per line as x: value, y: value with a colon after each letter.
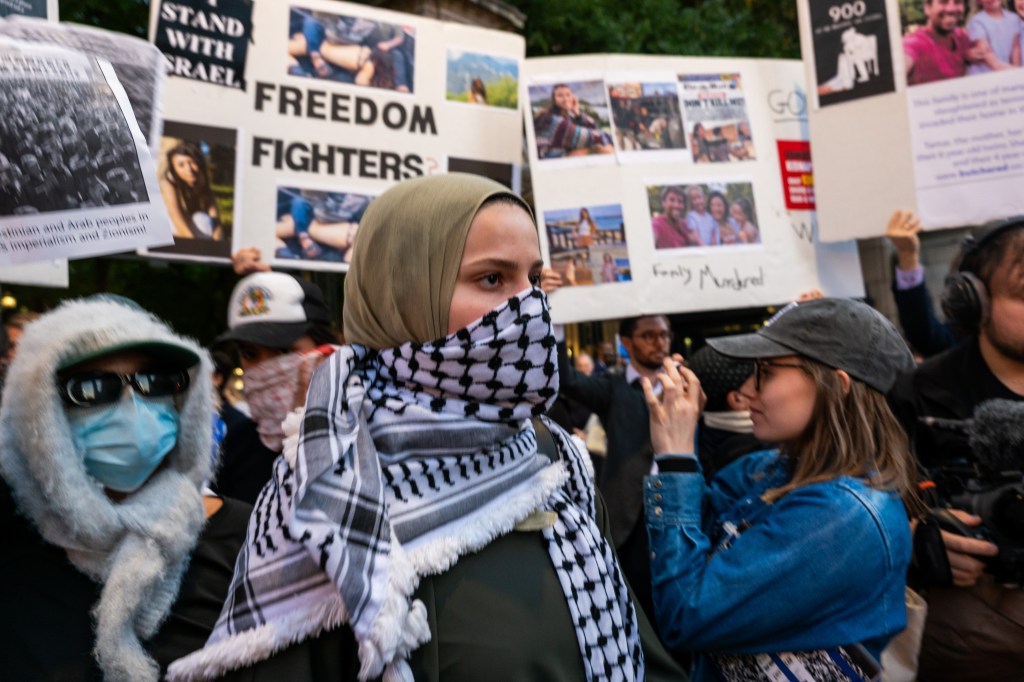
x: 51, y: 273
x: 947, y: 142
x: 659, y: 186
x: 88, y: 195
x: 299, y: 112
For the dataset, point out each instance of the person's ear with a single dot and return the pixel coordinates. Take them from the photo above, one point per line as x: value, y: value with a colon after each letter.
x: 844, y: 381
x: 736, y: 401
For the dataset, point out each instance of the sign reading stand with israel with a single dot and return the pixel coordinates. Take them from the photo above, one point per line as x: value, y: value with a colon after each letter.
x: 285, y: 118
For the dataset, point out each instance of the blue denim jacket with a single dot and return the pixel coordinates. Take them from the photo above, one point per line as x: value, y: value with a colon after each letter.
x: 824, y: 566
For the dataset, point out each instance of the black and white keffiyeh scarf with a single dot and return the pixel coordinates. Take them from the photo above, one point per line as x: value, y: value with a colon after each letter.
x: 408, y: 459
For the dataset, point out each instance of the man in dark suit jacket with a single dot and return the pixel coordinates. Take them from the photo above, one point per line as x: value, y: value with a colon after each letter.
x: 618, y: 401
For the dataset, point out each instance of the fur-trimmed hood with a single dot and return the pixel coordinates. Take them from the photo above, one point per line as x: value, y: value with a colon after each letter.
x: 137, y: 548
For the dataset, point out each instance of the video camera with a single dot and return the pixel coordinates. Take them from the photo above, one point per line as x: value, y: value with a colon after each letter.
x: 989, y: 485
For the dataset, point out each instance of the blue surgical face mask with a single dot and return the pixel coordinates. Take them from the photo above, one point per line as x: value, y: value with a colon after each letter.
x: 123, y: 443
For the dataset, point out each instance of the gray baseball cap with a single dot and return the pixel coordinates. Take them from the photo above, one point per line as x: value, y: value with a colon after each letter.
x: 838, y: 332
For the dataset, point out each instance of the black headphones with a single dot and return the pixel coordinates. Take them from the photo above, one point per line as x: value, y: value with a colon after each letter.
x: 965, y: 300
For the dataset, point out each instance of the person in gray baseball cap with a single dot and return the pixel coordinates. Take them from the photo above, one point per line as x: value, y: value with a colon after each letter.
x: 800, y: 549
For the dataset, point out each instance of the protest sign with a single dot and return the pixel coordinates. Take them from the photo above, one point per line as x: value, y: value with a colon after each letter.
x: 138, y: 64
x: 51, y: 273
x: 657, y: 199
x: 948, y: 142
x: 296, y: 114
x: 42, y: 9
x: 76, y: 178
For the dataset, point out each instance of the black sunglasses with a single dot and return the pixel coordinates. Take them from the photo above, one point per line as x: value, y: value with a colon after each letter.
x: 88, y: 389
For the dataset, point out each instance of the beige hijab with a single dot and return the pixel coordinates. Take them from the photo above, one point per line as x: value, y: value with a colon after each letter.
x: 407, y: 255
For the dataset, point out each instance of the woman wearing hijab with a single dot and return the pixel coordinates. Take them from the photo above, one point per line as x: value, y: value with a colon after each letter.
x: 108, y: 572
x: 422, y: 524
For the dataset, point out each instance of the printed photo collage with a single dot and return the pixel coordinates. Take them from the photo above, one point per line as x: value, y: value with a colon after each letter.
x: 685, y: 120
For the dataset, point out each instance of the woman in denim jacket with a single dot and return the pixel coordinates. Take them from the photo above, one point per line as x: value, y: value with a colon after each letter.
x: 803, y: 549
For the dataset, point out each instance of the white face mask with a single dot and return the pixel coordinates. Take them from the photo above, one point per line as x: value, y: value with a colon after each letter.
x: 270, y: 391
x: 123, y: 443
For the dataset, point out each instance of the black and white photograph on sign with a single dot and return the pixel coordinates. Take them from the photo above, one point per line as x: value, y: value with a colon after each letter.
x: 852, y: 54
x: 646, y: 116
x: 196, y: 167
x: 351, y: 49
x: 702, y: 215
x: 317, y: 225
x: 26, y: 8
x: 588, y: 244
x: 945, y: 39
x: 138, y: 64
x: 715, y: 111
x: 64, y: 143
x: 571, y: 119
x: 476, y: 78
x: 206, y: 40
x: 76, y: 176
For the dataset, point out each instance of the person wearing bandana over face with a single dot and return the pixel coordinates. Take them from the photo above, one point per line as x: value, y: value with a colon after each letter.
x: 105, y: 440
x: 280, y: 327
x: 425, y: 523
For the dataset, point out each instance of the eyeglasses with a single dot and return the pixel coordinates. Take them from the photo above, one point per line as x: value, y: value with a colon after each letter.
x: 652, y: 336
x: 761, y: 365
x: 88, y: 389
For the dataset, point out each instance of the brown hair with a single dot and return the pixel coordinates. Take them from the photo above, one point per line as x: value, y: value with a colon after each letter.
x: 850, y: 434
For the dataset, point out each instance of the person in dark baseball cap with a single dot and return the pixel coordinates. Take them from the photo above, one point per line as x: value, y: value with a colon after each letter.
x: 280, y: 327
x: 838, y: 332
x: 726, y: 431
x: 803, y: 548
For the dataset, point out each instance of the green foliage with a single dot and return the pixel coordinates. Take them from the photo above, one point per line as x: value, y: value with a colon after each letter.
x: 503, y: 92
x: 740, y: 28
x: 912, y: 13
x: 125, y: 16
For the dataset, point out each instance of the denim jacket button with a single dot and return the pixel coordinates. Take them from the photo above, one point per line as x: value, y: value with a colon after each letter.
x: 657, y: 483
x: 657, y: 511
x: 657, y: 498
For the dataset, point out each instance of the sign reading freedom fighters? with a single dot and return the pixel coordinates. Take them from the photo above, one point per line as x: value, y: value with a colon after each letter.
x: 285, y: 118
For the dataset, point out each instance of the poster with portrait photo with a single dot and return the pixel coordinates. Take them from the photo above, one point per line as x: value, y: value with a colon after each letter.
x: 76, y: 176
x: 588, y: 244
x: 852, y: 54
x: 41, y: 9
x: 196, y: 170
x: 317, y: 228
x: 571, y: 120
x: 690, y: 215
x: 138, y: 64
x: 715, y: 111
x: 350, y: 49
x: 482, y: 79
x: 646, y: 116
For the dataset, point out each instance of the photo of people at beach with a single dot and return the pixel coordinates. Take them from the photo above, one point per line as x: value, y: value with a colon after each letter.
x: 350, y: 49
x: 702, y: 215
x: 571, y: 119
x: 588, y: 244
